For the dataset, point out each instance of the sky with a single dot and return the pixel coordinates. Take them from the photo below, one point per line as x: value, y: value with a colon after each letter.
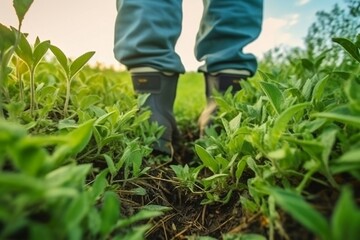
x: 79, y: 26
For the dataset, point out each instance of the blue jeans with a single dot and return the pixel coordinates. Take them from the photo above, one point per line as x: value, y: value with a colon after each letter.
x: 146, y: 32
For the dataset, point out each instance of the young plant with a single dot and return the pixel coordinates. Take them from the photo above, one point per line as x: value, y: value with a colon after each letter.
x: 9, y: 42
x: 32, y: 57
x: 70, y: 69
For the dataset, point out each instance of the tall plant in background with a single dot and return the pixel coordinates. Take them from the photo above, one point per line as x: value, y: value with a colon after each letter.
x: 338, y: 22
x: 9, y: 42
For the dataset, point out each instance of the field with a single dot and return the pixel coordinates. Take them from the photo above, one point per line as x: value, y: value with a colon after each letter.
x: 280, y: 161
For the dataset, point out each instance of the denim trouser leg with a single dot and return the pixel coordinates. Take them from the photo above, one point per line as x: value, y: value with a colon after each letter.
x: 227, y: 26
x: 146, y: 32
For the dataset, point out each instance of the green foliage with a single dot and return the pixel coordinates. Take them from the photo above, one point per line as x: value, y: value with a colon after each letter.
x: 64, y: 157
x: 36, y: 184
x: 286, y: 133
x: 338, y: 22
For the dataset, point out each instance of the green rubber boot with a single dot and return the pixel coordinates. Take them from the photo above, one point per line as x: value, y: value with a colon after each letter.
x: 162, y: 89
x: 217, y: 83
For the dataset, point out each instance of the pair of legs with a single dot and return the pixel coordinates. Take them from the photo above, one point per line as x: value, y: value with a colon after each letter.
x: 146, y: 32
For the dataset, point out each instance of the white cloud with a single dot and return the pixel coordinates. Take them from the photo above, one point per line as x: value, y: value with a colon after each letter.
x: 276, y: 32
x: 292, y: 19
x: 302, y: 2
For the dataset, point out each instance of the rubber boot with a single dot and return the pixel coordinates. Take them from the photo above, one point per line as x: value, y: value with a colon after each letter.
x: 217, y: 83
x: 162, y: 89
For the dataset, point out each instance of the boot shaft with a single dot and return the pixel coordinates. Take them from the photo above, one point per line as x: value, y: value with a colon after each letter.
x: 220, y: 82
x: 159, y: 85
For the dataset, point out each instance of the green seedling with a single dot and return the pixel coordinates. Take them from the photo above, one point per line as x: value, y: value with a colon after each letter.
x: 9, y: 41
x: 32, y: 57
x: 70, y: 69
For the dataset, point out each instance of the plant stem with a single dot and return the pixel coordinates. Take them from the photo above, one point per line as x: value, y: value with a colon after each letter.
x: 67, y: 98
x: 2, y: 75
x: 32, y: 91
x: 21, y: 85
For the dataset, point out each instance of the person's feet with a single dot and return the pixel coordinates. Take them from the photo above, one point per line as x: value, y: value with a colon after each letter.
x: 162, y: 89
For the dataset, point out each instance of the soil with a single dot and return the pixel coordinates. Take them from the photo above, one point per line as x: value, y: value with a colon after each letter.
x: 188, y: 217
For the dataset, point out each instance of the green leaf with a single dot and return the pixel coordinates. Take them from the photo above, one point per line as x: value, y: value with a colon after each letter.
x: 62, y: 59
x: 40, y: 51
x: 349, y: 161
x: 28, y: 158
x: 103, y: 118
x: 223, y: 163
x: 110, y: 164
x: 308, y: 88
x: 157, y: 208
x: 21, y: 183
x: 140, y: 191
x: 67, y: 175
x: 352, y: 120
x: 301, y: 211
x: 79, y: 63
x: 136, y: 233
x: 110, y: 212
x: 94, y: 221
x: 88, y: 101
x: 24, y: 51
x: 307, y: 64
x: 215, y: 176
x: 274, y: 94
x: 21, y: 7
x: 240, y: 168
x: 100, y: 184
x: 80, y: 137
x: 142, y: 215
x: 207, y: 159
x: 346, y: 217
x: 357, y: 42
x: 248, y: 205
x: 283, y: 119
x: 234, y: 124
x: 136, y: 159
x: 77, y: 210
x: 7, y: 38
x: 352, y: 90
x: 350, y: 47
x: 243, y: 236
x: 319, y: 89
